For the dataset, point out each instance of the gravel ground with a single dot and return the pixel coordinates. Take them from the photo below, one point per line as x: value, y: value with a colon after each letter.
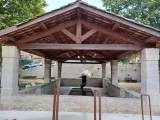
x: 132, y: 86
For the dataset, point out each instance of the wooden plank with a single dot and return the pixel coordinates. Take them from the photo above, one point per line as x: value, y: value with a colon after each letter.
x: 39, y: 19
x: 80, y: 46
x: 88, y: 34
x: 113, y: 34
x: 46, y: 33
x: 121, y: 20
x: 69, y: 34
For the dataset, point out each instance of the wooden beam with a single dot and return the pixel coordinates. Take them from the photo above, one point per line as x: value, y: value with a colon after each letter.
x: 46, y: 33
x: 81, y: 59
x: 70, y: 35
x: 43, y: 27
x: 115, y: 27
x: 88, y: 34
x: 80, y: 46
x: 113, y: 34
x: 151, y: 39
x: 79, y: 27
x: 10, y: 38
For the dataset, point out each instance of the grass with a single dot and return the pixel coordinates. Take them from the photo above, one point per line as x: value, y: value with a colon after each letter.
x: 37, y: 83
x: 122, y: 81
x: 20, y: 77
x: 40, y: 78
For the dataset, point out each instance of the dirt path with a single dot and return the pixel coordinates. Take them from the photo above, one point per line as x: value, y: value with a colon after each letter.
x: 132, y: 86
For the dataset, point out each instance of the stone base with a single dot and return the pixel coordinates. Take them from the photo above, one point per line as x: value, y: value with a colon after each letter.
x: 47, y: 115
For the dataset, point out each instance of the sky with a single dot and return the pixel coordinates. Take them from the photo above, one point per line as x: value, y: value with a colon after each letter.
x: 54, y: 4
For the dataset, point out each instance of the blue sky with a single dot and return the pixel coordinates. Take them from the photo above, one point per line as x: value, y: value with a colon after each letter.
x: 54, y: 4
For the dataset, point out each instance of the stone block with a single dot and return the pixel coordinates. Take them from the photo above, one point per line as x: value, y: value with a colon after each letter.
x: 10, y: 51
x: 150, y: 54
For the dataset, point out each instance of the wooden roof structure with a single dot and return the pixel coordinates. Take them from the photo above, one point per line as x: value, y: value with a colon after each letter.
x: 79, y: 31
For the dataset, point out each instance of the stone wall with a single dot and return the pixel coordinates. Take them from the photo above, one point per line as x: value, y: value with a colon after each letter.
x: 78, y: 104
x: 46, y: 88
x: 120, y: 91
x: 74, y: 71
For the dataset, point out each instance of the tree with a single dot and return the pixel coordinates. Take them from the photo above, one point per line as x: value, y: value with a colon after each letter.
x: 15, y: 11
x: 143, y: 11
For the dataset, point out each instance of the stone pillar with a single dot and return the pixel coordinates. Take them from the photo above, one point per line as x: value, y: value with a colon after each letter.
x: 47, y: 72
x: 59, y: 69
x: 103, y: 70
x: 114, y: 71
x: 150, y: 71
x: 10, y: 68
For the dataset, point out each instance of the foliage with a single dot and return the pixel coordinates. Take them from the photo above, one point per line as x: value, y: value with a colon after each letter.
x: 128, y: 59
x: 15, y: 11
x: 143, y: 11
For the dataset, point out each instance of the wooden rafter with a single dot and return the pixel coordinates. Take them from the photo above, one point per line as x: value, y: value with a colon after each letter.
x: 46, y: 33
x: 88, y: 34
x: 80, y: 46
x: 113, y: 34
x: 69, y: 34
x: 151, y: 39
x: 42, y: 26
x: 115, y: 27
x: 9, y: 38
